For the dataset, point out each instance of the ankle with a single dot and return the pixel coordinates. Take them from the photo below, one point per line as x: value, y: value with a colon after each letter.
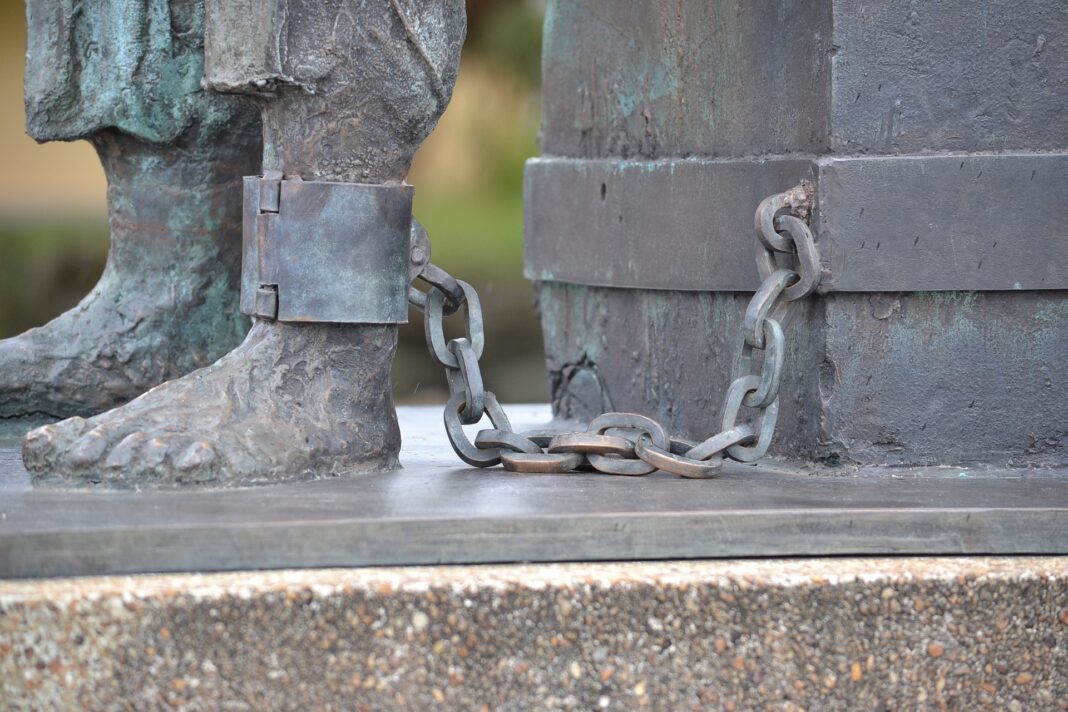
x: 173, y: 210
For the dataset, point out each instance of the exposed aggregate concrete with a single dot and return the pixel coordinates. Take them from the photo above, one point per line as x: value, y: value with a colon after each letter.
x: 819, y: 634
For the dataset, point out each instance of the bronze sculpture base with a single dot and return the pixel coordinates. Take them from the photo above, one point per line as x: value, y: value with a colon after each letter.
x: 437, y: 510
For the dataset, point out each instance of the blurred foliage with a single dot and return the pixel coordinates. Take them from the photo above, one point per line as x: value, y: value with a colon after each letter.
x: 46, y: 266
x: 469, y: 195
x: 508, y: 34
x: 469, y: 178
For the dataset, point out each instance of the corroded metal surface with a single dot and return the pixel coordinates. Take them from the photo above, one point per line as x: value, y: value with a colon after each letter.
x: 333, y: 252
x: 126, y: 77
x: 948, y: 154
x: 928, y: 379
x: 691, y: 78
x: 820, y: 634
x: 945, y: 223
x: 682, y: 224
x: 361, y: 85
x: 435, y: 510
x: 752, y: 78
x: 884, y: 223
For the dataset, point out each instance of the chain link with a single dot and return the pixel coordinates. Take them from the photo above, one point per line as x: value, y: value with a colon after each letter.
x: 627, y: 443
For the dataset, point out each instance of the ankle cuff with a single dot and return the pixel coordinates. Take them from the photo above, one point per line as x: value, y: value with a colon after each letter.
x: 315, y: 251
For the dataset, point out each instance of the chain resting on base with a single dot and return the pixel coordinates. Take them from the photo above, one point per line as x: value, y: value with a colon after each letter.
x: 629, y: 444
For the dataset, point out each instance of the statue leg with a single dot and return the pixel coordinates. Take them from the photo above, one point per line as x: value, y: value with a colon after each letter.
x: 173, y: 155
x: 351, y: 94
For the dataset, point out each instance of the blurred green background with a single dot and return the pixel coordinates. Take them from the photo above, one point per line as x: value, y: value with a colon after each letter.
x: 468, y: 178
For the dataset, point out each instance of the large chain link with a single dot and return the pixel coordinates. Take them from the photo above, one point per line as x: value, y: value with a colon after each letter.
x: 627, y: 443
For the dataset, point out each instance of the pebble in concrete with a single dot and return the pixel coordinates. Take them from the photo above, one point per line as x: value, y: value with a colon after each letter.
x: 894, y: 634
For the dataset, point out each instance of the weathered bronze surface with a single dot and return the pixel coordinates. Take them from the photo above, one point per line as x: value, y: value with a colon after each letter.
x: 330, y: 252
x: 347, y: 91
x: 435, y: 510
x: 677, y: 224
x: 939, y: 167
x: 126, y: 77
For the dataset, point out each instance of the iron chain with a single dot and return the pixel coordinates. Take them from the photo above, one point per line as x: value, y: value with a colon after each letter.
x: 627, y: 443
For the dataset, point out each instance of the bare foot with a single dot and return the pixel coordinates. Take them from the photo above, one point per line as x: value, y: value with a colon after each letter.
x: 281, y: 406
x: 167, y: 301
x: 115, y: 345
x: 174, y: 155
x: 363, y: 83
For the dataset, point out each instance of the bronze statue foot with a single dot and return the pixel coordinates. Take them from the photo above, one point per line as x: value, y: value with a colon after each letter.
x: 291, y: 402
x: 174, y: 155
x: 349, y: 98
x: 167, y: 301
x: 122, y: 339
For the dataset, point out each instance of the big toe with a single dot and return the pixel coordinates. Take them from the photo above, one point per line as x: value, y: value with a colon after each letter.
x: 42, y: 445
x: 16, y: 361
x: 37, y: 445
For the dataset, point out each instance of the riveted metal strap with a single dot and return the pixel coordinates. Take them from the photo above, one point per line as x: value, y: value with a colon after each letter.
x: 316, y: 251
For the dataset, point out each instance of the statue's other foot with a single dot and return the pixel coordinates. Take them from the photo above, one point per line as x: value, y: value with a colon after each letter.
x: 125, y: 337
x: 167, y: 301
x: 292, y: 402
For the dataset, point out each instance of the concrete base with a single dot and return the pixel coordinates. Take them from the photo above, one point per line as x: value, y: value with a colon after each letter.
x: 901, y: 633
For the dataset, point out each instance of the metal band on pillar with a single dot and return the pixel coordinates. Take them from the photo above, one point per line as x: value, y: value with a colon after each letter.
x: 884, y: 223
x: 326, y: 252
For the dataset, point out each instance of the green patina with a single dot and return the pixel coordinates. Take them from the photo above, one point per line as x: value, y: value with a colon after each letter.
x: 126, y: 76
x: 132, y: 66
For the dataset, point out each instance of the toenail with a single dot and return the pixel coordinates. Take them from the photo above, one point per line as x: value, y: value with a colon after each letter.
x: 196, y: 455
x: 88, y: 449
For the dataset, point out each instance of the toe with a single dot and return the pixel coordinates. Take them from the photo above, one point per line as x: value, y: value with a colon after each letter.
x: 173, y: 458
x: 93, y: 447
x: 122, y: 454
x: 155, y: 450
x: 197, y: 456
x: 38, y: 444
x: 88, y: 449
x: 42, y: 446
